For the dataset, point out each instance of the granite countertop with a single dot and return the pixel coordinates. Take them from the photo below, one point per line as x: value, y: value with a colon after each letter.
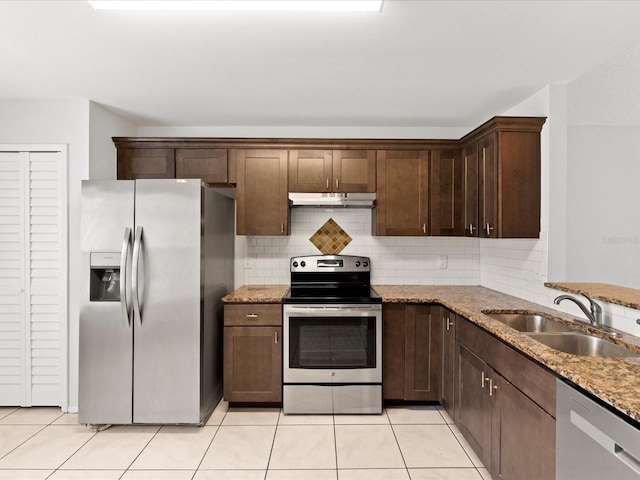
x: 257, y: 294
x: 616, y: 381
x: 627, y: 297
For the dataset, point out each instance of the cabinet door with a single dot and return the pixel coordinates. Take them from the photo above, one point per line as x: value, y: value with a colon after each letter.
x: 310, y: 170
x: 207, y: 164
x: 488, y: 199
x: 422, y: 355
x: 393, y: 338
x: 447, y: 193
x: 261, y: 195
x: 523, y: 439
x: 354, y: 171
x: 448, y: 381
x: 471, y: 179
x: 519, y: 158
x: 134, y: 163
x: 402, y: 204
x: 473, y: 415
x: 252, y: 364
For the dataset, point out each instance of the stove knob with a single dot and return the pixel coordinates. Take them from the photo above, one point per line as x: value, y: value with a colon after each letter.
x: 365, y: 264
x: 357, y: 263
x: 303, y: 264
x: 295, y: 264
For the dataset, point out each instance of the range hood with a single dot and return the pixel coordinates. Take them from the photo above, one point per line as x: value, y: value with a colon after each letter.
x: 351, y: 200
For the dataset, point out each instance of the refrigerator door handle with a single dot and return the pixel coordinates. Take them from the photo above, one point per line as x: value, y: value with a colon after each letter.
x: 134, y: 275
x: 124, y: 259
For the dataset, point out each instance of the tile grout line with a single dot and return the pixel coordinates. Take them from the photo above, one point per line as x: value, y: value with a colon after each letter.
x: 335, y: 445
x: 212, y: 439
x: 273, y: 442
x: 398, y: 444
x: 69, y: 457
x: 25, y: 441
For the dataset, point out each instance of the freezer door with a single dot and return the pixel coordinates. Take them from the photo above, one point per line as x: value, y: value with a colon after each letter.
x: 106, y: 334
x: 166, y: 266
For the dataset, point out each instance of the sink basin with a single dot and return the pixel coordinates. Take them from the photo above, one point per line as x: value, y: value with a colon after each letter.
x: 584, y: 345
x: 530, y: 322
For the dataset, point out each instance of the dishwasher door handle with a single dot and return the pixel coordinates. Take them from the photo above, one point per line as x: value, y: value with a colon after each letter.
x: 631, y: 461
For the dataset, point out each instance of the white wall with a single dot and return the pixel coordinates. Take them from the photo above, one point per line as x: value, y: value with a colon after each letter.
x: 87, y: 129
x: 603, y: 214
x: 58, y: 121
x: 104, y: 124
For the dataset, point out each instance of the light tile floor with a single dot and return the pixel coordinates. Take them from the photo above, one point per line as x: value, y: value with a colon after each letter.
x: 404, y: 443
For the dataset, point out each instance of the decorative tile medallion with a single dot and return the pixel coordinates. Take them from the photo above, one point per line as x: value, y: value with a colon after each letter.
x: 330, y: 238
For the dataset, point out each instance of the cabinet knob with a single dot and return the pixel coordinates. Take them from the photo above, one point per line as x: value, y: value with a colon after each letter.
x: 492, y: 387
x: 282, y: 228
x: 327, y: 184
x: 424, y: 228
x: 484, y: 379
x: 337, y: 183
x: 449, y: 324
x: 488, y: 229
x: 471, y: 228
x: 275, y: 336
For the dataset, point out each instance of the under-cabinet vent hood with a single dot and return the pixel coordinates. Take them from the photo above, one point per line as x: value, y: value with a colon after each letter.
x: 351, y: 200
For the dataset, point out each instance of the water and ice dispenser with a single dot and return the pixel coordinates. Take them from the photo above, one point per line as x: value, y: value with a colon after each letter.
x: 105, y: 277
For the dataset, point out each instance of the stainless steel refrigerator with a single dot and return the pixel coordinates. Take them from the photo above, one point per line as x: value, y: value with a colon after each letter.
x: 157, y: 256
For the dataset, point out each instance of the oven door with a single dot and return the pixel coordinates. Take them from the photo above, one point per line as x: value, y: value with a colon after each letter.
x: 332, y: 344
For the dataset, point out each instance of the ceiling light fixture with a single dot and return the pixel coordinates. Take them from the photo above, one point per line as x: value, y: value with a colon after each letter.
x: 273, y: 5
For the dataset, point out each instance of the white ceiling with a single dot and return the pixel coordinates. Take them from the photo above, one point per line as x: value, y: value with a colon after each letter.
x: 417, y: 63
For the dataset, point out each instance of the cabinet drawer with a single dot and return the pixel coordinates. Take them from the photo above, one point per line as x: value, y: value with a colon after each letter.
x: 248, y: 314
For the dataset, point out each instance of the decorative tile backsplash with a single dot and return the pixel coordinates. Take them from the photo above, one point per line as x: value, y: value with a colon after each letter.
x: 330, y: 238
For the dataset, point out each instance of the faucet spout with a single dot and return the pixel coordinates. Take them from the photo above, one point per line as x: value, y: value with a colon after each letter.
x: 594, y: 313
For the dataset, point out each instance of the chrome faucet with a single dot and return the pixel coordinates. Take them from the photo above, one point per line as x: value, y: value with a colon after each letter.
x: 594, y: 314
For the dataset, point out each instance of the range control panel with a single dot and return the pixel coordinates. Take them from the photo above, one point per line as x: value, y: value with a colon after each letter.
x: 330, y: 263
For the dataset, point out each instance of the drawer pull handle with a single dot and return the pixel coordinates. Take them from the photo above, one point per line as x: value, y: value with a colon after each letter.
x: 275, y: 336
x: 252, y: 315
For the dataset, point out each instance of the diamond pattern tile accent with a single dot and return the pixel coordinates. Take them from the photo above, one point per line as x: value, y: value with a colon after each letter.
x: 330, y: 238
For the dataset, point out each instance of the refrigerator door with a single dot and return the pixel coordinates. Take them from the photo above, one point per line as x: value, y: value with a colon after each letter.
x: 166, y: 259
x: 106, y: 342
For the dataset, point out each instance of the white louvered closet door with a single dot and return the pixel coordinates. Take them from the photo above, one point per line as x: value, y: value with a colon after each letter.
x: 32, y: 278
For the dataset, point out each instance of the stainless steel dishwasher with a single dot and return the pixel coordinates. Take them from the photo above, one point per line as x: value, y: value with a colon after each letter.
x: 593, y: 443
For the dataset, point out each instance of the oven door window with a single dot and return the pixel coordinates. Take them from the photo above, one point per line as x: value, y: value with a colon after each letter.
x: 332, y: 342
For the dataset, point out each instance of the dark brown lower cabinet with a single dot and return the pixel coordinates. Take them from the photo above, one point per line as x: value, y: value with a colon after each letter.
x: 411, y: 352
x: 509, y: 430
x: 253, y: 353
x: 523, y: 439
x: 448, y: 372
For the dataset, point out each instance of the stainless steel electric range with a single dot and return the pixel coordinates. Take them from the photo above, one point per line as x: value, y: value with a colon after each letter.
x: 332, y: 345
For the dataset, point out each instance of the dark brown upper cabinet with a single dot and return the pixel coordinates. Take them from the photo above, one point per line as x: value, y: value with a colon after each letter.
x: 354, y: 171
x: 447, y: 193
x: 470, y: 189
x: 504, y: 154
x: 262, y: 204
x: 337, y: 171
x: 208, y: 164
x: 402, y: 200
x: 310, y: 170
x: 134, y: 163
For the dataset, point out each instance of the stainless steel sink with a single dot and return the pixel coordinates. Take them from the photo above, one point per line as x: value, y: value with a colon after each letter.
x: 530, y: 322
x: 584, y: 345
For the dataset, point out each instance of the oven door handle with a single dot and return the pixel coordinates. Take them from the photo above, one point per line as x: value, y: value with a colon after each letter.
x: 321, y: 310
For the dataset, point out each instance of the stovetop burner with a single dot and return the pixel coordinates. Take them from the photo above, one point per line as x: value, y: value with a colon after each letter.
x: 331, y: 279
